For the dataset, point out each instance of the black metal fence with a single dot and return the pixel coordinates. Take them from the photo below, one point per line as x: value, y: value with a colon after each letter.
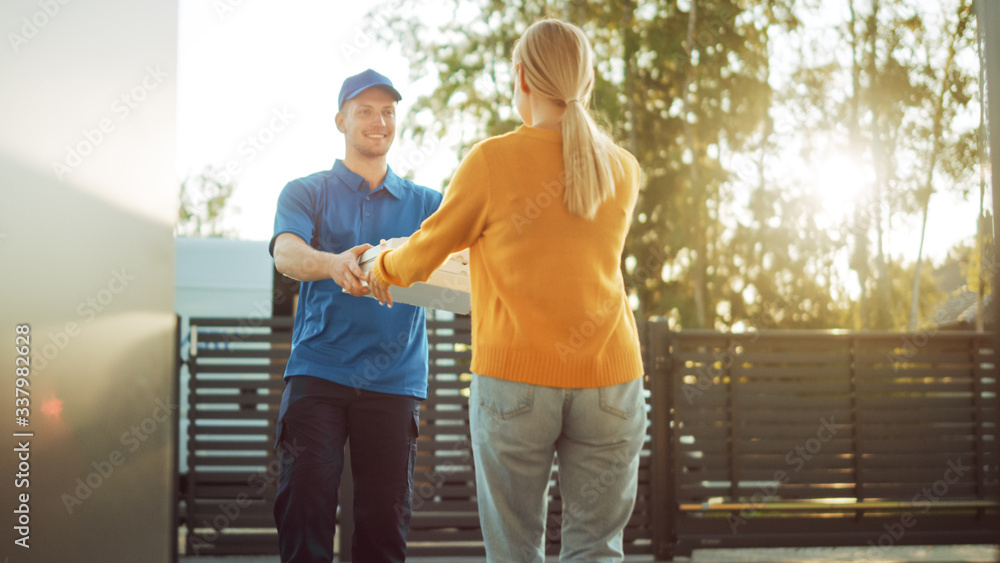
x: 759, y: 439
x: 819, y: 438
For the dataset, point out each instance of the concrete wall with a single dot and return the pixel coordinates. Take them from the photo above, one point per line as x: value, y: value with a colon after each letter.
x: 87, y: 204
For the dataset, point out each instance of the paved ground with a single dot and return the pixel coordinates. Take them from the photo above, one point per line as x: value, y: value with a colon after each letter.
x: 936, y: 554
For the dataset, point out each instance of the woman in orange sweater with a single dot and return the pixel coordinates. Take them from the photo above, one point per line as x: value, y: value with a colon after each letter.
x: 544, y: 211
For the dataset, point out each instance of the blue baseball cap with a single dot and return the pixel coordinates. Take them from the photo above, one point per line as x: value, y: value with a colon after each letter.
x: 358, y: 83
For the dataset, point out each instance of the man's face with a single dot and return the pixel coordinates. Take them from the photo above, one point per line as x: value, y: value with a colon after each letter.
x: 368, y: 122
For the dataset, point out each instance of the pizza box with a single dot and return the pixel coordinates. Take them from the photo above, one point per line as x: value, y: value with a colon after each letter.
x: 448, y: 288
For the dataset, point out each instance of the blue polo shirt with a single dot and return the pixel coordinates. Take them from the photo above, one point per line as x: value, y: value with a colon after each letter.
x: 350, y: 340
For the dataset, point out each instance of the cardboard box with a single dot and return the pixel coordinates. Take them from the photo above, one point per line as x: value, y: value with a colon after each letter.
x: 448, y: 288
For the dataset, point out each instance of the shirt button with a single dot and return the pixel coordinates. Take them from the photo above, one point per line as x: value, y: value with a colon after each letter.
x: 368, y: 214
x: 368, y: 198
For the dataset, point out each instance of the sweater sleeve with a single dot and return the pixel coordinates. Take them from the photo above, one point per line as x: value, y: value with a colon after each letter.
x: 454, y: 227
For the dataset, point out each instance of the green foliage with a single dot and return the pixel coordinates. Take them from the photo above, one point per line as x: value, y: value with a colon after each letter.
x: 978, y: 265
x: 930, y: 299
x: 204, y: 200
x: 725, y: 234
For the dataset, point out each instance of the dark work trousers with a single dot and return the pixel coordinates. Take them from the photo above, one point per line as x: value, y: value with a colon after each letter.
x: 316, y: 419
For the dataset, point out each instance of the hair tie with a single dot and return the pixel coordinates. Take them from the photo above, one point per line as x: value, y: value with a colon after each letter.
x: 567, y: 102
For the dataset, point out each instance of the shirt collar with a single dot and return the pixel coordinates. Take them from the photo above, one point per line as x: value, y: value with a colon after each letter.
x: 356, y: 182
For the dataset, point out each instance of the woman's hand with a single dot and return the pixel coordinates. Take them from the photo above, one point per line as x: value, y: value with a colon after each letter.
x: 379, y: 291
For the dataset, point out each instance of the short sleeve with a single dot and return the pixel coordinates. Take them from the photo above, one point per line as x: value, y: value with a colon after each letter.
x: 296, y: 213
x: 433, y: 203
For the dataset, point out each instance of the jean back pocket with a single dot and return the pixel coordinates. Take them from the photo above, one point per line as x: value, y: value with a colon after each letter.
x: 623, y: 399
x: 504, y: 399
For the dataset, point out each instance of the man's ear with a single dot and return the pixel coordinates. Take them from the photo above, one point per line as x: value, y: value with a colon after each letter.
x: 339, y: 119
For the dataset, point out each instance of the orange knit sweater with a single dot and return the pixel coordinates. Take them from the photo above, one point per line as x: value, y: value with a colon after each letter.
x: 548, y: 299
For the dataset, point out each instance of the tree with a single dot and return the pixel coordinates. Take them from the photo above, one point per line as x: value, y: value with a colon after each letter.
x: 905, y: 88
x: 672, y: 82
x: 979, y: 266
x: 726, y: 230
x: 985, y: 266
x: 946, y: 92
x: 204, y: 200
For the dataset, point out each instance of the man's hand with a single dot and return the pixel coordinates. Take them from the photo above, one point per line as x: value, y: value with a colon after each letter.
x: 379, y: 291
x: 344, y: 270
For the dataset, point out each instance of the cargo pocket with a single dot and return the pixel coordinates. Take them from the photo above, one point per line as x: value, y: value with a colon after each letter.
x: 277, y: 435
x: 412, y: 459
x: 284, y: 451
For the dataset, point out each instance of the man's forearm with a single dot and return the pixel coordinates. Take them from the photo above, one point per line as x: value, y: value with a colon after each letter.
x: 299, y: 261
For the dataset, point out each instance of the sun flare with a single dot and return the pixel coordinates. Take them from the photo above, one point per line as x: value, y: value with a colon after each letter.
x: 837, y: 180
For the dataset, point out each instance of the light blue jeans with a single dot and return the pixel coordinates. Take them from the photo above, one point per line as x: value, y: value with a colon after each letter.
x: 596, y: 434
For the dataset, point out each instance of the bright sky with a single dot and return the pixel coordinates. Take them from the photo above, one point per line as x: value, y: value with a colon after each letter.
x: 257, y: 89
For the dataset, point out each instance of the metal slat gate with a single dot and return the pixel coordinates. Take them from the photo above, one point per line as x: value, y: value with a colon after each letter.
x: 234, y: 393
x: 761, y: 439
x: 800, y: 439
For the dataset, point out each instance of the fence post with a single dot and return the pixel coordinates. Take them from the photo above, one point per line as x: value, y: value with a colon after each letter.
x: 658, y: 340
x: 175, y: 480
x: 192, y: 476
x: 988, y: 19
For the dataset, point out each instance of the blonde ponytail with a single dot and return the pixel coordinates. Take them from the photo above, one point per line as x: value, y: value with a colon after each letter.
x: 559, y: 64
